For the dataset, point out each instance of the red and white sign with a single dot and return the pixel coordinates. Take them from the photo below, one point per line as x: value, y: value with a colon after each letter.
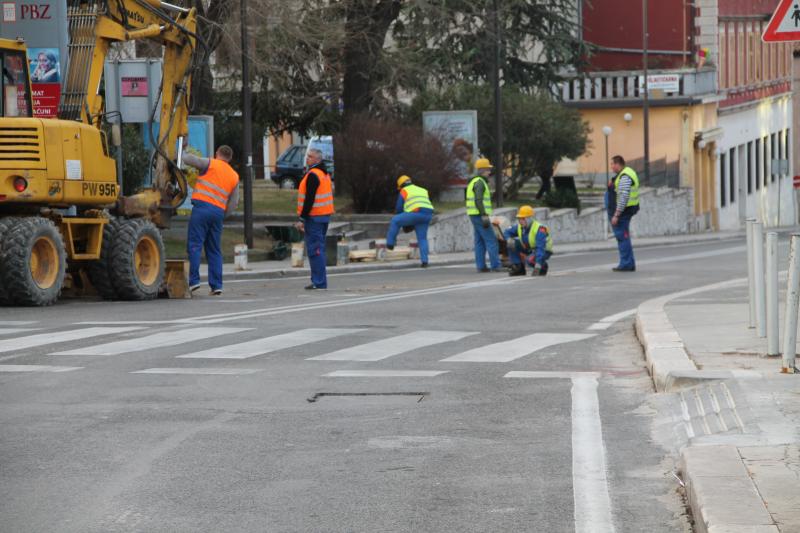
x: 9, y: 12
x: 45, y: 99
x: 134, y: 86
x: 784, y: 24
x: 796, y: 182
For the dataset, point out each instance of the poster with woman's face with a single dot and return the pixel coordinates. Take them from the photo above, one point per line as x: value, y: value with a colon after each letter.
x: 44, y: 65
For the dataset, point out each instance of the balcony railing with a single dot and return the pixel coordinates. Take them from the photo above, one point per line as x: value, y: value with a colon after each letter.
x: 629, y: 85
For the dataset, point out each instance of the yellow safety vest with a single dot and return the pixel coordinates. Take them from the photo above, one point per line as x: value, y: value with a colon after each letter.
x: 487, y: 197
x: 416, y: 198
x: 633, y: 199
x: 532, y: 236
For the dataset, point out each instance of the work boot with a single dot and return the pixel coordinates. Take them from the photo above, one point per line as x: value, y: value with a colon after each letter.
x: 543, y: 271
x: 516, y: 270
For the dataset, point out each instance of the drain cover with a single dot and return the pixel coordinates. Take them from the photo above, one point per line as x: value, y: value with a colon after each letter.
x: 418, y: 395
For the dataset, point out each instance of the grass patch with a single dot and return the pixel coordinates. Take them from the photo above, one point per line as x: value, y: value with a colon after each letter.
x: 175, y: 243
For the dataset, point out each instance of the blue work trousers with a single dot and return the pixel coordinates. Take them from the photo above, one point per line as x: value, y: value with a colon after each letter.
x: 485, y: 241
x: 315, y: 230
x: 623, y: 235
x: 205, y: 231
x: 420, y: 220
x: 515, y: 259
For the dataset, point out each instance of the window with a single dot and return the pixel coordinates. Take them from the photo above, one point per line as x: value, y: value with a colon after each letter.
x: 723, y: 56
x: 14, y: 97
x: 774, y: 154
x: 732, y: 174
x: 731, y: 54
x: 751, y: 55
x: 740, y: 54
x: 750, y: 167
x: 723, y: 196
x: 758, y: 164
x: 765, y: 160
x: 786, y: 146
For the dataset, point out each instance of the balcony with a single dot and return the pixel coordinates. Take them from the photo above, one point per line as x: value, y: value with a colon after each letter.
x: 627, y: 87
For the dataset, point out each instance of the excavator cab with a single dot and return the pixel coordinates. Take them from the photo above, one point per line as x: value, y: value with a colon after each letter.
x: 15, y: 83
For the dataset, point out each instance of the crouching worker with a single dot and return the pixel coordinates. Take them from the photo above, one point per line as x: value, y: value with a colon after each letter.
x: 414, y: 209
x: 528, y: 241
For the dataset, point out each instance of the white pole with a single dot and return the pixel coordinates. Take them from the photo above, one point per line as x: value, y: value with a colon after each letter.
x: 751, y: 284
x: 792, y: 303
x: 758, y: 267
x: 773, y: 333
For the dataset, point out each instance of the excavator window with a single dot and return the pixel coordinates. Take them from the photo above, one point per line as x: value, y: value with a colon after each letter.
x: 15, y: 101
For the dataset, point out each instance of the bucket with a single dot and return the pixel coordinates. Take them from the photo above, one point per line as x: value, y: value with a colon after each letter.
x: 297, y: 254
x: 240, y: 257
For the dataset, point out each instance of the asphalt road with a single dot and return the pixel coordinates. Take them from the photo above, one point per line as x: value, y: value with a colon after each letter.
x: 437, y: 400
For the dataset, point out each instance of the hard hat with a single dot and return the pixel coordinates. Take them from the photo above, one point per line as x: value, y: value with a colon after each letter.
x: 525, y: 211
x: 482, y: 163
x: 403, y: 180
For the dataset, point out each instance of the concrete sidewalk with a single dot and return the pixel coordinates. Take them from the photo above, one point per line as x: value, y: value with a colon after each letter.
x: 735, y: 416
x: 283, y: 269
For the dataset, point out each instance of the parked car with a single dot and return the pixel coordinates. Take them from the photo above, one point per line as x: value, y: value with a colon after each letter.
x: 290, y: 167
x: 323, y: 143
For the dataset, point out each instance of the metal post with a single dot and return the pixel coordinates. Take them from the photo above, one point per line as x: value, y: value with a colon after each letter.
x: 646, y: 100
x: 498, y: 108
x: 751, y: 282
x: 773, y: 333
x: 792, y: 303
x: 247, y: 131
x: 758, y: 267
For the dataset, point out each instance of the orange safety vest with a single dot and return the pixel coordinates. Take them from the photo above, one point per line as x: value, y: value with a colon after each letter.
x: 323, y: 200
x: 217, y: 184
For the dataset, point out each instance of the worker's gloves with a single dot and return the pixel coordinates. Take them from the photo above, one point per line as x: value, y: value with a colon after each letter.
x: 531, y: 260
x: 485, y: 221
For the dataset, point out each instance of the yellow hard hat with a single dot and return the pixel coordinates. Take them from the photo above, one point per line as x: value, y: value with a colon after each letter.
x: 482, y: 163
x: 402, y: 180
x: 525, y: 211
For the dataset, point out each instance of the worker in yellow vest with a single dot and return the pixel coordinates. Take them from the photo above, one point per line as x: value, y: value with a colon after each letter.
x: 315, y: 207
x: 622, y: 203
x: 479, y: 208
x: 216, y: 194
x: 529, y: 242
x: 414, y: 209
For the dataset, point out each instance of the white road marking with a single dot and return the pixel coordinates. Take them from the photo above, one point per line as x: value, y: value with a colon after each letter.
x: 14, y: 331
x: 384, y: 348
x: 200, y: 371
x: 589, y: 482
x: 157, y: 340
x: 37, y: 368
x: 503, y: 352
x: 42, y: 339
x: 607, y: 322
x: 385, y: 373
x: 269, y: 344
x: 14, y: 323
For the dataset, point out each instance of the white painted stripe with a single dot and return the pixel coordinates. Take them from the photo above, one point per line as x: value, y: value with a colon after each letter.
x: 550, y: 375
x: 42, y: 339
x: 269, y: 344
x: 589, y: 483
x: 385, y: 373
x: 150, y: 342
x: 503, y: 352
x: 14, y: 323
x: 607, y: 322
x: 14, y: 331
x: 200, y: 371
x: 384, y: 348
x: 37, y: 368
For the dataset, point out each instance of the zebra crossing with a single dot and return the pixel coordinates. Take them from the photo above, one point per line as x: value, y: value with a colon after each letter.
x: 85, y: 344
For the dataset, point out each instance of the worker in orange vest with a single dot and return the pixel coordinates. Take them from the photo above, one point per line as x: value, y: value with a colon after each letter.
x: 315, y: 207
x: 216, y: 194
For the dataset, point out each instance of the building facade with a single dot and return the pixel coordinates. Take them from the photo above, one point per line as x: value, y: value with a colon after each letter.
x: 720, y: 103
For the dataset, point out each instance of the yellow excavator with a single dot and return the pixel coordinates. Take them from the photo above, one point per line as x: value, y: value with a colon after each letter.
x: 61, y: 212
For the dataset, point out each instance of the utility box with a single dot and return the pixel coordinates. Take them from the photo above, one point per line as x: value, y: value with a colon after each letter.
x: 132, y: 89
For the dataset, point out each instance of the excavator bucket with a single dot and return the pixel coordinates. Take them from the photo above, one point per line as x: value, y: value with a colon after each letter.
x: 176, y: 280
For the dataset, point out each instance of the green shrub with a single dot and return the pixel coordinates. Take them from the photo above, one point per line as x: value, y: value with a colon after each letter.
x: 562, y: 198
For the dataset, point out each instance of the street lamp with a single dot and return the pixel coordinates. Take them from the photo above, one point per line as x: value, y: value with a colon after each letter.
x: 247, y: 131
x: 606, y: 133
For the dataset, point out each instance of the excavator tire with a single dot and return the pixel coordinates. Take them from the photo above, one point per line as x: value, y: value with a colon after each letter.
x: 5, y: 224
x: 137, y: 259
x: 32, y: 262
x: 100, y: 270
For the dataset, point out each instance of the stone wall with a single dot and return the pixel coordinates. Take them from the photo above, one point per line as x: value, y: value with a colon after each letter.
x: 663, y: 211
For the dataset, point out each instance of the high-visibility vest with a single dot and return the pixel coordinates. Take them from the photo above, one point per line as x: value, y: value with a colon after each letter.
x: 472, y: 209
x: 415, y: 198
x: 217, y: 184
x: 323, y: 199
x: 633, y: 199
x: 532, y: 236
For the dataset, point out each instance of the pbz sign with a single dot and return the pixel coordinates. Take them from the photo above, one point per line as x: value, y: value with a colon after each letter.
x: 35, y: 12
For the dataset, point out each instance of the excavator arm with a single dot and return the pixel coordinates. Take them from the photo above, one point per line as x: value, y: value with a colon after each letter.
x: 93, y: 27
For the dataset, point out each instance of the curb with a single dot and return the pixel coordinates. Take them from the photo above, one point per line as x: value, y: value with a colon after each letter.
x: 669, y: 363
x: 721, y: 494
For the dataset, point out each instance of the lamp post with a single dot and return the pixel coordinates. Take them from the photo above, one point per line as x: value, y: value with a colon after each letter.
x: 646, y: 100
x: 606, y: 132
x: 498, y: 108
x: 247, y: 132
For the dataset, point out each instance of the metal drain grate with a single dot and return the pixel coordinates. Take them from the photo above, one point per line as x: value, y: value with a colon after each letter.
x: 317, y: 396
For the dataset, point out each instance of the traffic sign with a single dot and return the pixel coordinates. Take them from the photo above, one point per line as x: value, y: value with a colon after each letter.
x: 784, y: 24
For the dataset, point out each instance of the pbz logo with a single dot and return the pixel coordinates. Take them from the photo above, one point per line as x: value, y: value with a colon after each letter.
x: 34, y: 11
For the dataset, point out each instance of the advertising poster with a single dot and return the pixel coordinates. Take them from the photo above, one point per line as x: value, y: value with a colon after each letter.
x: 457, y: 130
x: 45, y: 69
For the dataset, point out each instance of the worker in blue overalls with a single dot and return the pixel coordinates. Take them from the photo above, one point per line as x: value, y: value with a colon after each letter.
x: 529, y: 241
x: 414, y: 209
